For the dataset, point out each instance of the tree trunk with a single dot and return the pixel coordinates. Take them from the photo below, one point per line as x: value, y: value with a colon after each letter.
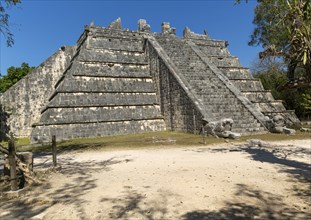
x: 24, y: 163
x: 291, y: 70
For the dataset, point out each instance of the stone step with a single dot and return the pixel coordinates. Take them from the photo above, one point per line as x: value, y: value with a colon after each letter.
x: 224, y: 61
x: 94, y: 129
x: 197, y: 78
x: 110, y: 70
x: 233, y: 73
x: 272, y: 101
x: 113, y: 43
x: 258, y: 96
x: 210, y: 92
x: 243, y: 115
x: 213, y: 50
x: 271, y: 106
x: 193, y: 65
x: 100, y: 84
x: 99, y: 114
x: 193, y: 72
x: 226, y: 67
x: 206, y: 86
x: 104, y: 55
x: 234, y: 110
x: 113, y: 33
x: 245, y: 85
x: 216, y: 105
x: 210, y: 42
x: 102, y: 99
x: 208, y: 78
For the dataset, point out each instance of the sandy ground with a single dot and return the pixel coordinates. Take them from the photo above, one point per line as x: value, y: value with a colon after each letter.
x: 269, y: 181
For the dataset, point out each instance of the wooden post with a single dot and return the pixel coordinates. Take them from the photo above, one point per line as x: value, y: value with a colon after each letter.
x: 203, y: 134
x: 194, y: 124
x: 12, y: 162
x: 54, y: 150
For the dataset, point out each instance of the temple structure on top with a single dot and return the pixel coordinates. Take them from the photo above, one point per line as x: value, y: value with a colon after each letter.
x: 117, y: 81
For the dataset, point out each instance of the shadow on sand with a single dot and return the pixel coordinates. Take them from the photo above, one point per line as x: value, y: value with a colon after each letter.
x: 248, y: 204
x: 70, y: 193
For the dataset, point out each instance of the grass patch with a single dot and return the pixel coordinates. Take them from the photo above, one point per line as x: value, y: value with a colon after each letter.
x: 163, y: 139
x: 306, y: 126
x: 22, y: 141
x: 18, y: 142
x: 131, y: 141
x: 278, y: 137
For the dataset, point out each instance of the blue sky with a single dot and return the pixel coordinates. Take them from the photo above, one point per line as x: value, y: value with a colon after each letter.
x: 40, y: 27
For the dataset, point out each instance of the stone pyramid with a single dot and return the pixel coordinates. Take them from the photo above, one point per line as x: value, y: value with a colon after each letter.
x: 117, y: 81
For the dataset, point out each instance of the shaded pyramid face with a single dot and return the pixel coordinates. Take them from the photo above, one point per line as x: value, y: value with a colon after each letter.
x: 107, y: 89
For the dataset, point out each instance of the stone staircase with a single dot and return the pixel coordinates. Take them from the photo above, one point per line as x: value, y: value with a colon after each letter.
x: 251, y: 88
x: 107, y: 89
x: 219, y: 102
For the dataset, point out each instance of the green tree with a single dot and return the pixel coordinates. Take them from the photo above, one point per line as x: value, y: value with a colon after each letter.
x: 305, y: 103
x: 14, y: 74
x: 272, y: 74
x: 283, y: 28
x: 4, y: 20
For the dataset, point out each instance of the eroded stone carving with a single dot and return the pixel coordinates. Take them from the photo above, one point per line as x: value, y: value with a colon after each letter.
x: 221, y: 128
x: 116, y: 24
x: 189, y: 34
x: 166, y: 28
x: 92, y: 23
x: 277, y: 125
x: 143, y: 26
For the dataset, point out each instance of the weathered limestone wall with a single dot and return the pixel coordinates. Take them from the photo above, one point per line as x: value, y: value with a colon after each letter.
x: 93, y: 129
x: 107, y: 90
x: 24, y: 101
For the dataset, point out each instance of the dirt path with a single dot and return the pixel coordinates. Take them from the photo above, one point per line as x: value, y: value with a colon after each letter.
x: 214, y: 182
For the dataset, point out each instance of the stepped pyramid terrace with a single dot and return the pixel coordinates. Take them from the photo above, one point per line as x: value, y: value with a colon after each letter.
x: 118, y: 81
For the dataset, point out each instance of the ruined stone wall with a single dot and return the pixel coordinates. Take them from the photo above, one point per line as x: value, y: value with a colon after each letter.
x: 24, y: 100
x: 179, y: 110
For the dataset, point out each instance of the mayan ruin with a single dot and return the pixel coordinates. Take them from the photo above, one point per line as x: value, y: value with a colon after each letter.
x: 120, y: 81
x: 155, y: 110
